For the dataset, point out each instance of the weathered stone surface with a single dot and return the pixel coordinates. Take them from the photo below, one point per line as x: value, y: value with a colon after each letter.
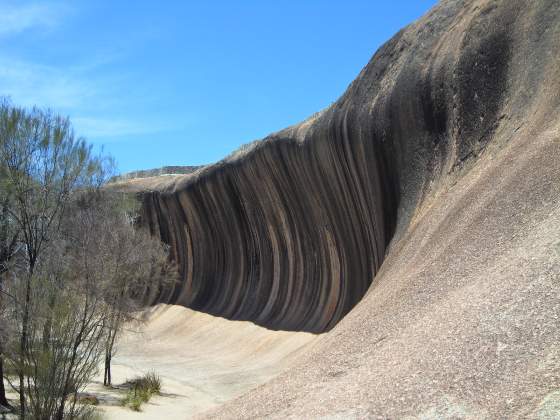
x: 282, y: 236
x: 147, y: 173
x: 290, y: 232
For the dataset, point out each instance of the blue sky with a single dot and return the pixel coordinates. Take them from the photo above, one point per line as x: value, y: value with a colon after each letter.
x: 187, y: 82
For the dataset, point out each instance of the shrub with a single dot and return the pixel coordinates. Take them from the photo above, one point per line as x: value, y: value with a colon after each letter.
x: 150, y: 382
x: 141, y: 389
x: 89, y: 413
x: 132, y: 400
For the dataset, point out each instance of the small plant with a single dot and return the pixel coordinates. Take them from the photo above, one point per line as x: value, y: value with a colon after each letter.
x: 141, y: 389
x: 152, y: 382
x: 87, y: 400
x: 132, y: 400
x: 89, y: 413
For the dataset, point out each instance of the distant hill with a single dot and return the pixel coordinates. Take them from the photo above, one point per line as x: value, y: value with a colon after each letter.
x: 146, y: 173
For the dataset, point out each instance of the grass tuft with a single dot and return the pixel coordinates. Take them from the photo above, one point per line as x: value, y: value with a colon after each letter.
x: 141, y: 389
x: 89, y: 413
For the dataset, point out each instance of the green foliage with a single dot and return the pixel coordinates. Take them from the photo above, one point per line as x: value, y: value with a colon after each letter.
x: 89, y: 413
x: 52, y: 309
x: 150, y: 382
x: 73, y: 266
x: 135, y: 398
x: 141, y: 389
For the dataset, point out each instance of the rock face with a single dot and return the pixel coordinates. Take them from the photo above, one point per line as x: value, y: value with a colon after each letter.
x: 290, y: 232
x: 288, y: 236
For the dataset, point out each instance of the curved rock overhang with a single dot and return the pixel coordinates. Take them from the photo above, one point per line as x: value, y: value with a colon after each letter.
x: 291, y: 232
x: 289, y: 238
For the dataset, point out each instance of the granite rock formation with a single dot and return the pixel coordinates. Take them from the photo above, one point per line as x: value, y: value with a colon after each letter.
x: 148, y: 173
x: 290, y: 231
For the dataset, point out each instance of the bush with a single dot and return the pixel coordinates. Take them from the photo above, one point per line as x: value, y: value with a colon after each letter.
x: 141, y: 389
x: 132, y: 400
x: 150, y: 382
x: 89, y: 413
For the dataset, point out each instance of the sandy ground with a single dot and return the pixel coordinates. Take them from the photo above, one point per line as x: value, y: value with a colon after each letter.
x: 203, y: 361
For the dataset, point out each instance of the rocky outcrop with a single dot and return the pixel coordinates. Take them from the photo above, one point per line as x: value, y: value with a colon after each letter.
x: 147, y: 173
x: 290, y: 232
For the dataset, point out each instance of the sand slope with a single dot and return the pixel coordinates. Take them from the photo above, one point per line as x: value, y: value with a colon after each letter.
x: 203, y: 361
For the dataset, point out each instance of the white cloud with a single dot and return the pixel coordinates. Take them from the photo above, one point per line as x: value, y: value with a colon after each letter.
x: 95, y: 127
x: 31, y: 84
x: 83, y: 89
x: 97, y: 109
x: 15, y: 19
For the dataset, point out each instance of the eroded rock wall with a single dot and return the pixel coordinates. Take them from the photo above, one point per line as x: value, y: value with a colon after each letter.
x: 290, y: 233
x: 289, y: 239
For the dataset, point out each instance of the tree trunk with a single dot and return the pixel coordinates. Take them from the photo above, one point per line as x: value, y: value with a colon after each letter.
x: 109, y: 354
x: 21, y: 395
x: 23, y: 341
x: 60, y: 411
x: 47, y: 332
x: 3, y: 400
x: 109, y: 371
x: 66, y: 389
x: 107, y: 378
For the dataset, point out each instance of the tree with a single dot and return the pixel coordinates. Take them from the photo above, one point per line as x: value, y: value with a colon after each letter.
x: 42, y: 164
x: 139, y: 260
x: 8, y: 246
x: 90, y: 281
x: 75, y: 268
x: 126, y: 258
x: 61, y: 363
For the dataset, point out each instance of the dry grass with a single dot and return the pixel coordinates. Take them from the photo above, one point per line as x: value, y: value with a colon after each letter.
x: 141, y: 389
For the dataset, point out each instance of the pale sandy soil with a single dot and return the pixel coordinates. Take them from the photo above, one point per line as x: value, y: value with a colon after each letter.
x: 203, y: 361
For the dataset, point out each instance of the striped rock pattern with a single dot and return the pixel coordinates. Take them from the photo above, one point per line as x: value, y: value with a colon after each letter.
x: 290, y: 232
x: 287, y: 239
